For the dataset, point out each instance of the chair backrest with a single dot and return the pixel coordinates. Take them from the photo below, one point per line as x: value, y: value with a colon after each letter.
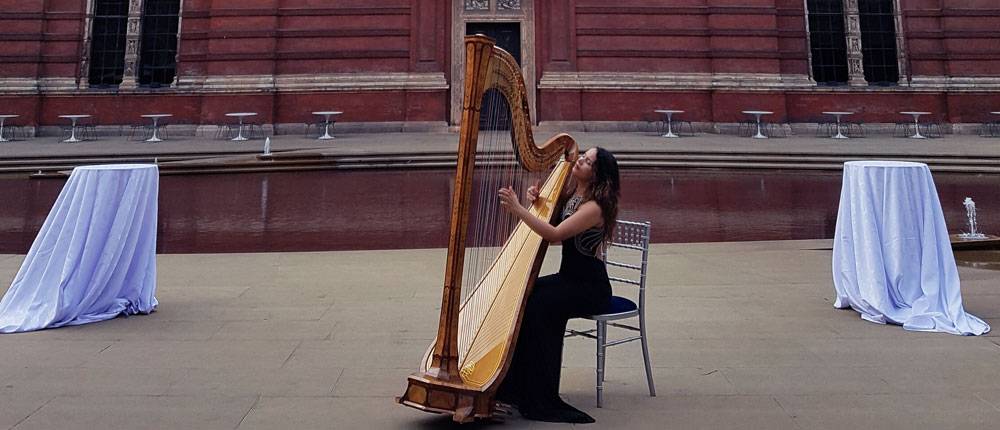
x: 627, y: 256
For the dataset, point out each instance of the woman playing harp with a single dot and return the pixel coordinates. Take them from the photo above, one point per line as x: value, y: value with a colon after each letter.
x: 493, y: 258
x: 580, y: 288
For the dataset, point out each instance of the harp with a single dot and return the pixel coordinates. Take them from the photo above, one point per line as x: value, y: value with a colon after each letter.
x: 487, y: 281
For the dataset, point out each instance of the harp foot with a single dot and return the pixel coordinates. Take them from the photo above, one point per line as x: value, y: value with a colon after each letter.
x: 463, y: 415
x: 464, y: 403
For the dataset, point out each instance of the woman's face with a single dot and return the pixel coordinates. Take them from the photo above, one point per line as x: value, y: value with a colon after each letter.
x: 584, y: 168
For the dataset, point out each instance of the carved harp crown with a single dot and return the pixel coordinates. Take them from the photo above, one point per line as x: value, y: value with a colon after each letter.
x: 482, y: 303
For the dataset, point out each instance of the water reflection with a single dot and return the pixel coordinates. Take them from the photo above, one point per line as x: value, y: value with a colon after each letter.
x: 336, y: 210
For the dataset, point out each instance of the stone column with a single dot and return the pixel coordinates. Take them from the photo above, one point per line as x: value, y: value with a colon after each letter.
x: 88, y: 27
x: 132, y: 42
x: 852, y: 31
x: 901, y: 48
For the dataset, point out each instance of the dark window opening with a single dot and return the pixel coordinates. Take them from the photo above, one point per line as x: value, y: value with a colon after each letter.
x: 495, y: 111
x: 878, y: 42
x: 507, y: 36
x: 107, y: 49
x: 827, y: 41
x: 158, y: 55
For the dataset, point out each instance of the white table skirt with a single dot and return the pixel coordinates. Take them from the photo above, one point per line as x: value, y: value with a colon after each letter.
x: 95, y: 256
x: 892, y: 258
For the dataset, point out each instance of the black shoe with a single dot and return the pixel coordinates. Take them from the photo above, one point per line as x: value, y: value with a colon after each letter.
x: 562, y: 414
x: 508, y: 399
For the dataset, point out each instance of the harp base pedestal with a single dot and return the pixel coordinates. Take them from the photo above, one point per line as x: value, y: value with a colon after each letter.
x: 463, y: 402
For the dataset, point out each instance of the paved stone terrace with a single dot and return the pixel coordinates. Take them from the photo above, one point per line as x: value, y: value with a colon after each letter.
x: 958, y: 145
x: 743, y: 335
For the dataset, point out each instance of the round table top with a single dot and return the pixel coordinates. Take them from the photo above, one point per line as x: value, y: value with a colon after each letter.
x: 157, y: 115
x: 74, y: 116
x: 117, y: 167
x: 9, y: 116
x: 883, y: 163
x: 757, y: 112
x: 839, y: 113
x: 241, y: 114
x: 332, y: 112
x: 915, y: 113
x: 668, y: 111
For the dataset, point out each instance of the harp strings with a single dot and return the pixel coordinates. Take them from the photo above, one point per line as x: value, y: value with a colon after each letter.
x: 490, y: 225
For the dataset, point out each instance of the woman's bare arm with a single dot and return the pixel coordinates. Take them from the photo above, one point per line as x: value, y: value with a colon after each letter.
x: 586, y: 216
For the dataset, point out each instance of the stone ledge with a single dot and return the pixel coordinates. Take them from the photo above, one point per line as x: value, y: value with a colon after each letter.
x: 543, y: 128
x: 624, y: 81
x: 796, y: 128
x: 314, y: 82
x: 210, y: 130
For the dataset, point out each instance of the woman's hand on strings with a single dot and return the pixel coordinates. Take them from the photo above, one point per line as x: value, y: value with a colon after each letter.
x: 509, y: 201
x: 532, y: 194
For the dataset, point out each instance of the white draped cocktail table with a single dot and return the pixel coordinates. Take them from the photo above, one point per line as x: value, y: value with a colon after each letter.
x: 94, y: 257
x: 892, y: 258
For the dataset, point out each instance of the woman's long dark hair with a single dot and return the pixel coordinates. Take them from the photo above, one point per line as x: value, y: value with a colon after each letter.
x: 605, y: 190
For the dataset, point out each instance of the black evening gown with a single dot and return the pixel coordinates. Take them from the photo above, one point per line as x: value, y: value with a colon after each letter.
x: 580, y: 288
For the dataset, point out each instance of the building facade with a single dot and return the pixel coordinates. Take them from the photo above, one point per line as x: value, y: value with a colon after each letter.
x: 398, y: 61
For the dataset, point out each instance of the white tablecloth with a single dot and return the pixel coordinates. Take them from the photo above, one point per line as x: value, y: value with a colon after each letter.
x: 95, y: 256
x: 892, y: 259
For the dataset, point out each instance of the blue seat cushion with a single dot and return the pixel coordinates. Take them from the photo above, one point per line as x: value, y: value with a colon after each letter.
x: 620, y: 305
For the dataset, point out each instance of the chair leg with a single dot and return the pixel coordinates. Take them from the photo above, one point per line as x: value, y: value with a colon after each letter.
x: 902, y: 129
x: 602, y: 333
x: 934, y: 130
x: 645, y: 355
x: 682, y: 125
x: 89, y: 132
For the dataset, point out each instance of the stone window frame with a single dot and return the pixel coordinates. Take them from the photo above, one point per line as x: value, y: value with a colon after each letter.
x: 133, y: 41
x: 808, y: 21
x: 525, y: 16
x: 852, y: 32
x: 108, y: 58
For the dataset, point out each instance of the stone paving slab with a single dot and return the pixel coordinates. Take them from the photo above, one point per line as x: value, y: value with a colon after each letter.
x: 742, y: 335
x: 891, y: 411
x: 139, y: 412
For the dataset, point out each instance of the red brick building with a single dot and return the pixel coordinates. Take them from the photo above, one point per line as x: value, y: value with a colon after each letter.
x: 397, y: 62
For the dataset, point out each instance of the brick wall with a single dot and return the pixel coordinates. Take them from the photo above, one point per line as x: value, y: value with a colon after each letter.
x: 595, y: 61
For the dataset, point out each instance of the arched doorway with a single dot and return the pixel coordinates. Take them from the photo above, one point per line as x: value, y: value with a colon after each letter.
x: 511, y: 23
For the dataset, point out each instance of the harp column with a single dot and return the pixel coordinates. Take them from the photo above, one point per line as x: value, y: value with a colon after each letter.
x: 444, y: 364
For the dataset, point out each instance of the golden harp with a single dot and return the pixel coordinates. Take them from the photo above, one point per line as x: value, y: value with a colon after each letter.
x: 483, y: 300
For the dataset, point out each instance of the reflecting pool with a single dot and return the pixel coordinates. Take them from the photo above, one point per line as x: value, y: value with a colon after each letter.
x: 339, y: 210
